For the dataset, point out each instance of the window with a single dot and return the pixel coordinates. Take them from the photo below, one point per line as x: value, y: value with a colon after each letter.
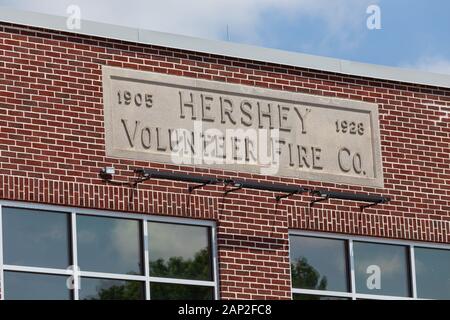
x: 381, y: 269
x: 35, y: 286
x: 297, y: 296
x: 323, y: 268
x: 107, y: 289
x: 170, y: 291
x: 433, y: 273
x: 35, y: 238
x: 109, y: 245
x: 319, y: 264
x: 179, y: 251
x: 131, y: 257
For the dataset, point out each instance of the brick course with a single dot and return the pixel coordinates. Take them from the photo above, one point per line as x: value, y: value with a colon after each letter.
x: 52, y: 148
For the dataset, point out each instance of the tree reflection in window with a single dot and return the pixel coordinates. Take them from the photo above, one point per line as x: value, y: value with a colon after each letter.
x: 169, y: 291
x: 179, y: 251
x: 305, y: 276
x: 108, y: 289
x: 197, y: 268
x: 297, y: 296
x: 319, y: 263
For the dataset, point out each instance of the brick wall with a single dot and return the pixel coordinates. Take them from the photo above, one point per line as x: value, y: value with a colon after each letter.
x: 52, y: 147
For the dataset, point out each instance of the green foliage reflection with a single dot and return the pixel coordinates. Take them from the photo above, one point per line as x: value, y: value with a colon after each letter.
x: 198, y: 268
x: 306, y: 277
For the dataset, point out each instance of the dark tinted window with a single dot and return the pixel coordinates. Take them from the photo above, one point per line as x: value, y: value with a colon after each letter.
x: 33, y: 286
x: 381, y: 269
x: 319, y: 264
x: 36, y: 238
x: 179, y: 251
x: 168, y: 291
x: 109, y: 245
x: 297, y: 296
x: 432, y: 273
x: 107, y: 289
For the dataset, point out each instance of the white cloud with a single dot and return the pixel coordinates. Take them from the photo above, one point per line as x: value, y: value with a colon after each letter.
x: 435, y: 64
x: 209, y: 18
x: 175, y: 240
x: 390, y: 265
x: 125, y: 236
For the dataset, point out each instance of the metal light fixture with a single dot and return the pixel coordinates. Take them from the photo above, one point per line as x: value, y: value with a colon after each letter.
x: 200, y: 180
x: 372, y: 199
x: 288, y: 190
x: 107, y: 173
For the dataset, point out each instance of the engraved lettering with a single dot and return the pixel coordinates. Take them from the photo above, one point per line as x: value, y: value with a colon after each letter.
x: 316, y: 154
x: 236, y: 149
x: 250, y: 155
x: 302, y: 157
x: 189, y: 142
x: 291, y: 160
x: 246, y: 108
x: 187, y: 103
x: 206, y: 108
x: 130, y: 139
x: 226, y: 109
x: 146, y: 138
x: 276, y: 149
x: 344, y: 159
x: 213, y: 125
x: 283, y: 112
x: 302, y: 115
x: 357, y: 163
x: 265, y: 114
x: 148, y: 100
x: 161, y: 140
x: 175, y: 140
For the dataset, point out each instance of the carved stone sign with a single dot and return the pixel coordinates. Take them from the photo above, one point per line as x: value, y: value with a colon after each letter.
x: 185, y: 121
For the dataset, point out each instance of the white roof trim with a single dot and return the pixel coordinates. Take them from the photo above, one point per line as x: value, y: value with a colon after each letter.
x: 223, y: 48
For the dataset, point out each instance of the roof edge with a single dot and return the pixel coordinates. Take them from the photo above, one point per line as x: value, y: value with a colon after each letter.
x: 223, y: 48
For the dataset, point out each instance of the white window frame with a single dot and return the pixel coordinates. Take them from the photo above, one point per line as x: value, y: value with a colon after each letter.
x: 143, y: 218
x: 353, y: 295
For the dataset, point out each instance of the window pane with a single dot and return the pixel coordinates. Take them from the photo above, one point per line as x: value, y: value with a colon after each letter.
x: 432, y: 273
x: 179, y: 251
x: 381, y: 269
x: 109, y: 245
x: 168, y: 291
x: 108, y: 289
x: 301, y: 296
x: 33, y: 286
x: 319, y: 264
x: 36, y: 238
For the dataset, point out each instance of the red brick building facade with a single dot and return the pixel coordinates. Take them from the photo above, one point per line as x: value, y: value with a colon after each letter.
x: 52, y: 147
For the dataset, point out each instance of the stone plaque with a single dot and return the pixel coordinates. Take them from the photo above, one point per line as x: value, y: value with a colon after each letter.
x: 185, y: 121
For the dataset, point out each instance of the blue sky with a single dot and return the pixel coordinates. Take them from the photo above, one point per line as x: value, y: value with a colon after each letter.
x: 414, y: 33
